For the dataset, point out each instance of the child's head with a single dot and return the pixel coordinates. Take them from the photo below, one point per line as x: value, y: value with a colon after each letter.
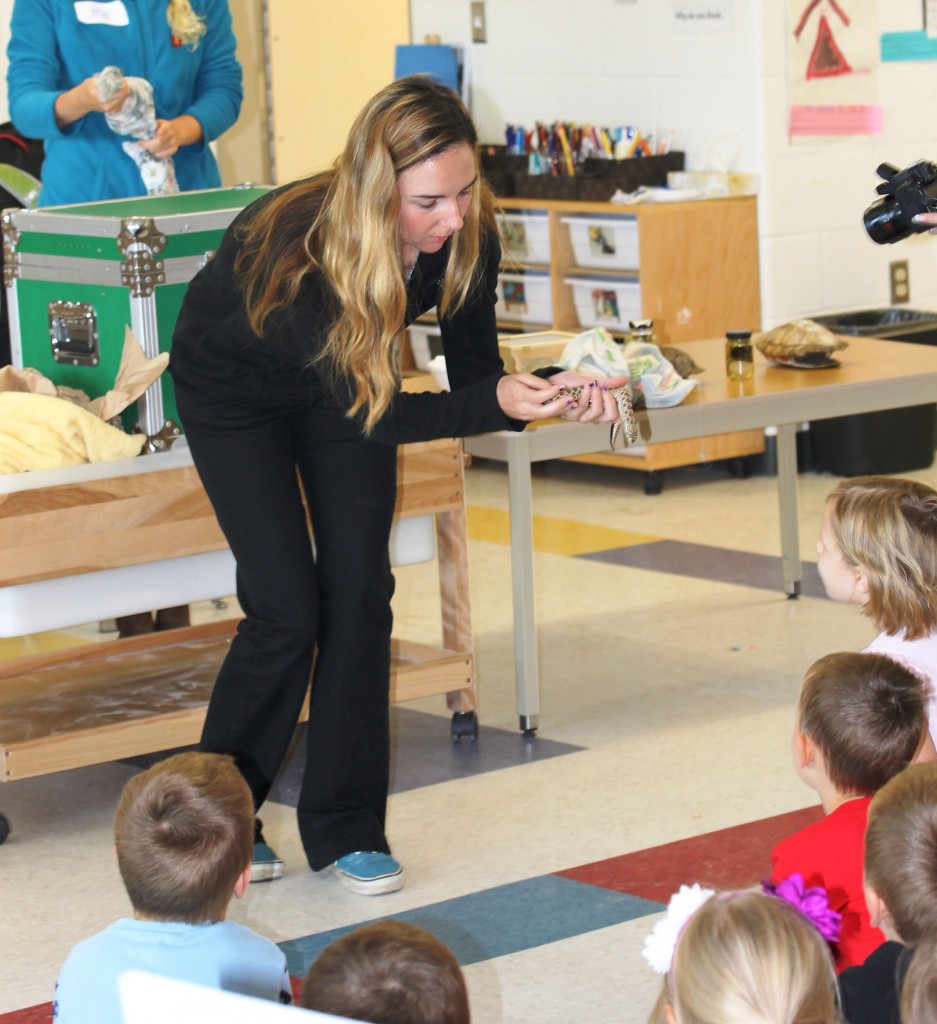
x: 388, y: 973
x: 901, y: 853
x: 919, y: 991
x: 184, y: 834
x: 750, y: 958
x: 878, y: 549
x: 866, y: 716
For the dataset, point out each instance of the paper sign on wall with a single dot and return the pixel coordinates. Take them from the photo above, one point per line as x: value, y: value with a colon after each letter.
x: 832, y: 64
x: 700, y: 16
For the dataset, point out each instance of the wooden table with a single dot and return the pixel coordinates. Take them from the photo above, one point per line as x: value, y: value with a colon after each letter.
x: 873, y: 375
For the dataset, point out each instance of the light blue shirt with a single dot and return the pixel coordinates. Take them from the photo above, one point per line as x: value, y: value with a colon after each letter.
x: 224, y: 956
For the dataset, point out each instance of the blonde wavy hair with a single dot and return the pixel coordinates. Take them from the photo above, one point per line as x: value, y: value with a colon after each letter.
x: 749, y: 958
x: 186, y: 25
x: 345, y: 223
x: 887, y: 527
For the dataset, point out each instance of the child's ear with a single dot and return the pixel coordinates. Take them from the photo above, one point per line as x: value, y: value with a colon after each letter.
x: 804, y: 750
x: 926, y: 752
x: 669, y: 1016
x: 879, y: 915
x: 242, y: 884
x: 862, y: 584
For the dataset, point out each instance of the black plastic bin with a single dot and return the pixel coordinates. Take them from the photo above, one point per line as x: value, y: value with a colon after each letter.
x: 890, y: 441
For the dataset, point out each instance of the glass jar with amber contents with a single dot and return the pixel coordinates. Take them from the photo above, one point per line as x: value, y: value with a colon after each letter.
x: 740, y: 355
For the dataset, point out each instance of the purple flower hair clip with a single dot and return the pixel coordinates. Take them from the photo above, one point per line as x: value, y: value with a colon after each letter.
x: 812, y: 902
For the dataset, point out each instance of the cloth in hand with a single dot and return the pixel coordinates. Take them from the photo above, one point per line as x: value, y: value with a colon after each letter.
x: 653, y: 381
x: 137, y: 117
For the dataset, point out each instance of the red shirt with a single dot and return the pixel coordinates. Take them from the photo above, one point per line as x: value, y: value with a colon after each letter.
x: 829, y: 853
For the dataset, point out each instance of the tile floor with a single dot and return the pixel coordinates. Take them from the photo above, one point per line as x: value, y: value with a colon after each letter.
x: 670, y: 661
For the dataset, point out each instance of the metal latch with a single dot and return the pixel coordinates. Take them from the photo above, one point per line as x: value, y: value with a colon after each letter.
x: 141, y: 242
x: 73, y: 333
x: 11, y: 238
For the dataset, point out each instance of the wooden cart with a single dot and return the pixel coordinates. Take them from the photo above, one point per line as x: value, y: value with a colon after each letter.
x: 103, y: 701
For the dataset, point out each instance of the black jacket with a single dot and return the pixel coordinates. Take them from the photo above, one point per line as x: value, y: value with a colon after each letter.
x: 871, y: 992
x: 225, y: 376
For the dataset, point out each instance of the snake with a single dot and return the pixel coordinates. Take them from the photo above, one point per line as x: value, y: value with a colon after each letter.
x: 627, y: 419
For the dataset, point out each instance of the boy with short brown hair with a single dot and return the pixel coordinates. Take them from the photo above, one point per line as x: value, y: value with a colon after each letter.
x: 901, y: 893
x: 861, y: 719
x: 388, y: 972
x: 184, y: 834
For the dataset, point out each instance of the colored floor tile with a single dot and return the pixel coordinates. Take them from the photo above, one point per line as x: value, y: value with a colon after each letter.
x: 41, y: 1014
x: 431, y: 755
x: 702, y: 561
x: 551, y: 536
x: 500, y: 921
x: 731, y: 858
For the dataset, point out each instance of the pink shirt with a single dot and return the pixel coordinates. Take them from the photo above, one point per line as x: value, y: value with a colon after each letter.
x: 918, y: 655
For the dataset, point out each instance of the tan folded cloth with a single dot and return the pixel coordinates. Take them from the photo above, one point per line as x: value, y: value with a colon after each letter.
x: 41, y: 432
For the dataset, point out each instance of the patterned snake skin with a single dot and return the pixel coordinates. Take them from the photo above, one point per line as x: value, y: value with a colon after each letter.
x: 622, y: 397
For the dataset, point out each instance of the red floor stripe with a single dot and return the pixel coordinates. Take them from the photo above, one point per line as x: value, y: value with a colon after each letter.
x: 41, y: 1014
x: 732, y: 858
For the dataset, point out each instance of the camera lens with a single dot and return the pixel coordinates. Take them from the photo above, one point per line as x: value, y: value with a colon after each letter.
x: 883, y: 221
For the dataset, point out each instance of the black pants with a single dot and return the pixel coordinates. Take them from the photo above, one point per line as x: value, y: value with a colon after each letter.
x: 333, y: 603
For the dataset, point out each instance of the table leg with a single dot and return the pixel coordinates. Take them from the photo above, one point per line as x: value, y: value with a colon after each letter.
x: 787, y: 496
x: 520, y: 499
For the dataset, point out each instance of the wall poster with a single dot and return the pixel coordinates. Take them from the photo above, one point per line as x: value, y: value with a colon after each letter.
x: 833, y: 56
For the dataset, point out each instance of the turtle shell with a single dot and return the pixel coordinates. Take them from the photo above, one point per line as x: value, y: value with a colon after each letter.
x: 799, y: 339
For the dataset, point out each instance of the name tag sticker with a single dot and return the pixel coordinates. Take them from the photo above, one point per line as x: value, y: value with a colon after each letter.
x: 102, y: 12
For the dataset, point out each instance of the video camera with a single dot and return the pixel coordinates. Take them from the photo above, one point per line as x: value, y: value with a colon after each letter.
x: 904, y: 194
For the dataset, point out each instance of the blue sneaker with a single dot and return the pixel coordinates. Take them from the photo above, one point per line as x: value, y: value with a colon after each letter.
x: 368, y: 873
x: 265, y: 864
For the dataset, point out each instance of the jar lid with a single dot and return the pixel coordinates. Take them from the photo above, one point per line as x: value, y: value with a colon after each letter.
x: 738, y: 335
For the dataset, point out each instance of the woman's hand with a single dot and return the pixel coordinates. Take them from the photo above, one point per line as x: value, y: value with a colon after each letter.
x: 930, y: 219
x: 523, y: 396
x: 596, y: 404
x: 75, y: 103
x: 172, y: 135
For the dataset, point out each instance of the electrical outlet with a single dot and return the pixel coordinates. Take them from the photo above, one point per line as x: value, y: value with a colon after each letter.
x: 479, y: 30
x: 899, y: 281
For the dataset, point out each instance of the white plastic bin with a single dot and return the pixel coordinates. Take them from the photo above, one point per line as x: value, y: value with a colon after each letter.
x: 606, y: 301
x: 525, y: 235
x: 526, y: 297
x: 610, y: 242
x: 425, y: 342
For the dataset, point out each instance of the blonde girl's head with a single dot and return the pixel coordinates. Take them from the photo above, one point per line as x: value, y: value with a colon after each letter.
x: 185, y: 24
x: 749, y: 958
x: 887, y: 528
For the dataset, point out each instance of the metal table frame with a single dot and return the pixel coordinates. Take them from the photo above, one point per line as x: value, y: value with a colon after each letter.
x: 874, y: 375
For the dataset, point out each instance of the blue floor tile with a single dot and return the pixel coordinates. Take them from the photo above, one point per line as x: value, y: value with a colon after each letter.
x: 500, y: 921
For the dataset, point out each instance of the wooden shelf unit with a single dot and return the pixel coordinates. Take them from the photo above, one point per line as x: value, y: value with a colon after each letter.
x: 102, y: 701
x: 699, y: 276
